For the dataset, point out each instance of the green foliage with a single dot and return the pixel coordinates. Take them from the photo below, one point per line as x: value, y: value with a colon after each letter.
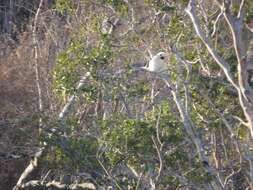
x: 77, y: 153
x: 249, y: 16
x: 127, y: 139
x: 138, y: 90
x: 65, y: 75
x: 174, y: 26
x: 72, y: 62
x: 99, y: 56
x: 64, y: 6
x: 168, y: 179
x: 249, y: 12
x: 242, y: 133
x: 165, y: 6
x: 200, y: 177
x: 171, y: 129
x: 119, y: 5
x: 130, y: 140
x: 70, y: 148
x: 133, y: 140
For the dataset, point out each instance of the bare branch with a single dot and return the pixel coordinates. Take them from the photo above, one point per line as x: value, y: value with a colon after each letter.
x: 29, y: 169
x: 34, y: 162
x: 72, y: 99
x: 240, y: 12
x: 241, y: 121
x: 36, y: 46
x: 215, y: 23
x: 57, y: 185
x: 236, y: 28
x: 191, y: 11
x: 160, y: 159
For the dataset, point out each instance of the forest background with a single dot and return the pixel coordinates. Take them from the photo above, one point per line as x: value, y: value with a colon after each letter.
x: 77, y: 114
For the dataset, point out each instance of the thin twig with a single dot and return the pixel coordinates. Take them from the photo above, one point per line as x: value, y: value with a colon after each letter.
x: 160, y: 159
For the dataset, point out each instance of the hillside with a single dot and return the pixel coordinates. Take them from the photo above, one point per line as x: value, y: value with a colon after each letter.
x: 79, y: 111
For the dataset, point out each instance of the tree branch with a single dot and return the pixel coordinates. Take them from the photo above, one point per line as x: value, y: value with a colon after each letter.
x: 58, y: 186
x: 235, y: 25
x: 33, y: 164
x: 191, y: 11
x: 66, y: 109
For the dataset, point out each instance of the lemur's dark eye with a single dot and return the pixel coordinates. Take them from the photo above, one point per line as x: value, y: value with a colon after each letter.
x: 161, y: 57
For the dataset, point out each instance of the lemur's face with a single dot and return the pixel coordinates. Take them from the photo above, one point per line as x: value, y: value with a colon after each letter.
x: 158, y: 63
x: 162, y: 56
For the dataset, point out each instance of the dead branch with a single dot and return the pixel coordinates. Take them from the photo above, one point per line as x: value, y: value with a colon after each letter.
x: 34, y: 184
x: 36, y: 46
x: 33, y: 164
x: 71, y: 101
x: 191, y: 11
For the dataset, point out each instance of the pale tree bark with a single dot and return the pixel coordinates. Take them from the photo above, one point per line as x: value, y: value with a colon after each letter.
x: 29, y: 169
x: 34, y: 162
x: 72, y: 99
x: 21, y: 184
x: 183, y: 105
x: 189, y: 127
x: 235, y: 23
x: 34, y: 184
x: 36, y: 63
